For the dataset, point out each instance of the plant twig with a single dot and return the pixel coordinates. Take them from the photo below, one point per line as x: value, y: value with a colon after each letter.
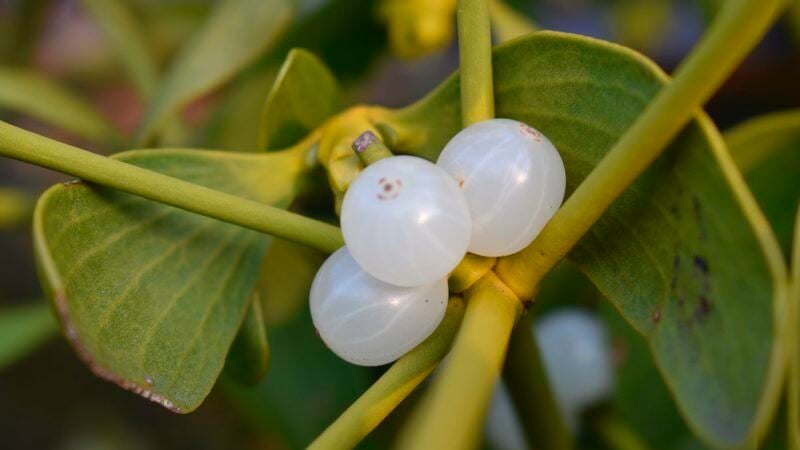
x: 475, y: 61
x: 393, y: 387
x: 451, y: 415
x: 738, y: 28
x: 530, y: 391
x: 29, y: 147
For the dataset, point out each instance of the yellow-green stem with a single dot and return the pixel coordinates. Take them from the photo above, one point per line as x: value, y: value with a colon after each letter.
x: 393, y: 387
x: 451, y: 415
x: 29, y: 147
x: 475, y: 61
x: 793, y: 389
x: 529, y: 387
x: 737, y: 28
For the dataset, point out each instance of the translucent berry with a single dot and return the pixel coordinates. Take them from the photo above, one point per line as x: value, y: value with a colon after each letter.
x: 406, y: 221
x: 513, y: 179
x: 366, y: 321
x: 576, y: 353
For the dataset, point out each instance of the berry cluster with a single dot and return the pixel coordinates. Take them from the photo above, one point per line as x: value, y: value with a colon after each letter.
x: 407, y: 223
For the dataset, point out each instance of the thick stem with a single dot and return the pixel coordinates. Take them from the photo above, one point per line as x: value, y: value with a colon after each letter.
x: 393, y: 387
x: 738, y: 27
x: 475, y: 61
x: 533, y: 400
x: 793, y: 336
x: 451, y: 415
x: 29, y: 147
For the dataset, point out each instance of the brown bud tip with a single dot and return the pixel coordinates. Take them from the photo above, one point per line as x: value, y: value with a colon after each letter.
x: 364, y: 141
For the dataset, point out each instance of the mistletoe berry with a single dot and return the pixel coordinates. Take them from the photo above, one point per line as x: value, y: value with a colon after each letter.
x: 366, y: 321
x: 513, y: 179
x: 405, y: 221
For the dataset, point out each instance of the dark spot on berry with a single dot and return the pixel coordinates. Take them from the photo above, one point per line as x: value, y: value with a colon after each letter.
x: 657, y: 316
x: 390, y: 189
x: 461, y: 183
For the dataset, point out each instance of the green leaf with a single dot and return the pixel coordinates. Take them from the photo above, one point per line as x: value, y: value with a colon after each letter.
x: 235, y: 34
x: 639, y: 387
x: 23, y: 329
x: 684, y: 254
x: 303, y: 96
x: 27, y: 91
x: 767, y: 150
x: 152, y: 296
x: 124, y: 32
x: 234, y: 124
x: 248, y: 357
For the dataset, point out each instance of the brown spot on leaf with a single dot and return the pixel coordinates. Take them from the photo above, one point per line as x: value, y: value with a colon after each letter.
x: 657, y: 315
x: 701, y: 263
x: 702, y: 310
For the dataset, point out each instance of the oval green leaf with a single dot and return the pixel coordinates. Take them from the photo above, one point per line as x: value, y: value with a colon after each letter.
x: 29, y: 92
x: 767, y: 151
x: 248, y: 357
x: 303, y: 96
x: 684, y: 254
x: 150, y: 296
x: 235, y: 34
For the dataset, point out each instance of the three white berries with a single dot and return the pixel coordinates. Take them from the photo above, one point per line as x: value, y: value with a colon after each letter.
x: 407, y: 223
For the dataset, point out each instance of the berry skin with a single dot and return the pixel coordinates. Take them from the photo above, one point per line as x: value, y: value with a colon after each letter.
x: 513, y: 179
x: 366, y: 321
x: 406, y: 221
x: 576, y: 353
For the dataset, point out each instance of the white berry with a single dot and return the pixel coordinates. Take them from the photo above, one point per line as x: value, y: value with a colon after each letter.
x: 576, y: 354
x: 513, y: 179
x: 366, y: 321
x: 406, y: 221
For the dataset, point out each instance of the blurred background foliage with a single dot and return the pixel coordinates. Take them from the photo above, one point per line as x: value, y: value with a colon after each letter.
x: 85, y: 72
